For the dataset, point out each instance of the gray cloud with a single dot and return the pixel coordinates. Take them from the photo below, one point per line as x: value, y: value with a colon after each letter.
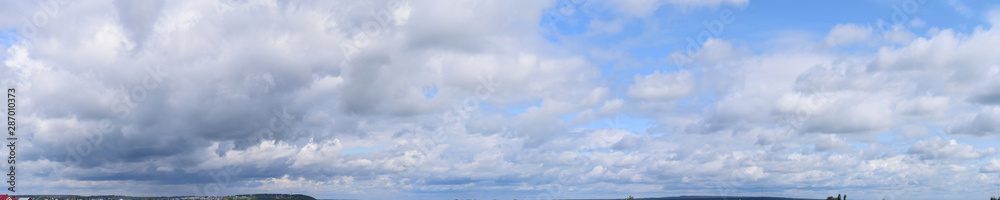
x: 448, y: 97
x: 936, y: 148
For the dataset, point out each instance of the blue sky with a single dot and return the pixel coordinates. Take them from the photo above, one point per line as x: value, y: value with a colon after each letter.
x: 894, y: 99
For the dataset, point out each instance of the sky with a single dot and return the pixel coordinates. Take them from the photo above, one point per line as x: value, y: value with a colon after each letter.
x: 526, y: 99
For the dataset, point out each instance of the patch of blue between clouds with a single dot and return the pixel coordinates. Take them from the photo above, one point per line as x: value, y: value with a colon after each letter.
x: 518, y: 110
x: 564, y: 19
x: 568, y: 116
x: 7, y: 39
x: 430, y: 91
x: 886, y: 138
x: 857, y: 145
x: 754, y: 26
x: 623, y: 122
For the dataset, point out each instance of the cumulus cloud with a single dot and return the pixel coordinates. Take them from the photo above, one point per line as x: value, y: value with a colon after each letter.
x: 844, y: 34
x: 831, y: 143
x: 936, y: 148
x: 923, y: 106
x: 989, y: 92
x: 644, y: 8
x: 662, y: 86
x: 984, y: 123
x: 993, y: 17
x: 992, y: 167
x: 398, y: 99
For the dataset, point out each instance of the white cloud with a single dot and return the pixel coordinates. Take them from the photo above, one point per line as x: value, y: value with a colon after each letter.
x: 829, y: 142
x: 511, y: 106
x: 924, y: 106
x: 984, y: 123
x: 662, y: 86
x: 645, y: 8
x: 992, y: 167
x: 988, y: 92
x: 844, y: 34
x: 936, y: 148
x: 917, y: 23
x: 993, y: 17
x: 960, y: 7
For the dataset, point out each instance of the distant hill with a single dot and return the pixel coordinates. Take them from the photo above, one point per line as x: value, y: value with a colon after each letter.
x: 307, y: 197
x: 722, y: 198
x: 274, y: 197
x: 117, y: 197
